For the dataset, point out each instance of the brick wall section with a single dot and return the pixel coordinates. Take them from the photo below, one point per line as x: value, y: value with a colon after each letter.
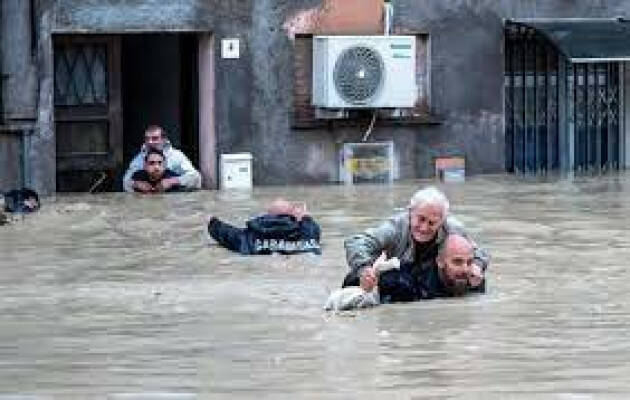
x: 350, y: 17
x: 303, y: 112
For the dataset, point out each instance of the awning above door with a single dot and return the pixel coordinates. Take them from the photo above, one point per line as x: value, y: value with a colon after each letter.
x: 585, y: 40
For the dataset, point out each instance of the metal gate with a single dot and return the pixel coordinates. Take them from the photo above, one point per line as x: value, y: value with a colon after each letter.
x: 594, y: 114
x: 559, y: 115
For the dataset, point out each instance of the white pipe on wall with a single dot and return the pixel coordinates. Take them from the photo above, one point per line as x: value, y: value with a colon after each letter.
x: 388, y: 17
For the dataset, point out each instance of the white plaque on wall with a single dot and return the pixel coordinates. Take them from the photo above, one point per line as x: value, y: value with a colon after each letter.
x: 230, y: 48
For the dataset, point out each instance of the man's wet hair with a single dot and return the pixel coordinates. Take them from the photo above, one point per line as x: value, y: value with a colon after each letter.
x: 152, y: 150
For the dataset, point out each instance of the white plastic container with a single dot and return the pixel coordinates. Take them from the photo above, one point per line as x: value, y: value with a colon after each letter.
x: 236, y: 171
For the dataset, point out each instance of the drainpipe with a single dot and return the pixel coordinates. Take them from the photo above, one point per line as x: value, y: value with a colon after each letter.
x: 388, y: 17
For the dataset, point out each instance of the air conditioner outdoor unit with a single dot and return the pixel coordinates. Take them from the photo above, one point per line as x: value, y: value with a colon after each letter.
x: 364, y: 72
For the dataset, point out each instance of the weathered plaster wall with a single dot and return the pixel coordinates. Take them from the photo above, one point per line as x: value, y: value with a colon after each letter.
x: 10, y: 148
x: 19, y: 88
x: 18, y: 61
x: 127, y: 16
x: 254, y: 92
x: 40, y: 147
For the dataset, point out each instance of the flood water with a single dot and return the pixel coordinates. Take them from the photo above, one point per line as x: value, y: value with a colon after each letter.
x: 114, y: 295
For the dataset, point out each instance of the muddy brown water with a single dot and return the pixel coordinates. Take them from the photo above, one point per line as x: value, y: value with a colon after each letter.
x: 115, y: 296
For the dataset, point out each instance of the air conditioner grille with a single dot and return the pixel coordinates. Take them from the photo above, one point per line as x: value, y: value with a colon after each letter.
x: 358, y: 74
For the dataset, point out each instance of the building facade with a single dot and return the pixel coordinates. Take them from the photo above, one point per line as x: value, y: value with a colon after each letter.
x: 498, y: 82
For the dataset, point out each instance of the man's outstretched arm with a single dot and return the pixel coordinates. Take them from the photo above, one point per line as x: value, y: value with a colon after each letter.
x: 228, y: 236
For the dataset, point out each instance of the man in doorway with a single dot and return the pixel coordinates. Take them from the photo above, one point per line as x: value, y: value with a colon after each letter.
x: 285, y: 228
x: 414, y: 236
x: 154, y: 177
x: 187, y: 177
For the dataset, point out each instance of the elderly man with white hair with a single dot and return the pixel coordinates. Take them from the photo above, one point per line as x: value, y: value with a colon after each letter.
x: 414, y: 236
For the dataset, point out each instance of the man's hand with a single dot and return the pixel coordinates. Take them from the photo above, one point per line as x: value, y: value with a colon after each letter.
x: 167, y: 183
x: 299, y: 210
x: 475, y: 275
x: 142, y: 187
x: 369, y: 276
x: 368, y: 279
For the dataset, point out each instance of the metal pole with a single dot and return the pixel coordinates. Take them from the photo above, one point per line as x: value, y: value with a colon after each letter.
x: 388, y: 18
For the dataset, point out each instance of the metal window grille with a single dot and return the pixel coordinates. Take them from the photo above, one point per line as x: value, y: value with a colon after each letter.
x: 538, y: 81
x: 80, y: 74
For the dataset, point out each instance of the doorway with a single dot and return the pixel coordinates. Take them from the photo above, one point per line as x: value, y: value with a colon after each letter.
x: 108, y: 89
x: 159, y: 82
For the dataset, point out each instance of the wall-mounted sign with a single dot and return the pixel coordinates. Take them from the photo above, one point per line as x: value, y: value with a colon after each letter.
x: 230, y: 48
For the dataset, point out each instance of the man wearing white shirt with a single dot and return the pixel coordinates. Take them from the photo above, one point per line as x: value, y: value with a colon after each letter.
x: 176, y: 161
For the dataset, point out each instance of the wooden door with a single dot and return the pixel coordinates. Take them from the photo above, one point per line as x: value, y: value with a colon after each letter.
x: 88, y: 112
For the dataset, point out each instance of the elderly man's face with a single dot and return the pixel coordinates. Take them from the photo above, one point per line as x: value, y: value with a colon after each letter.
x: 154, y: 138
x: 425, y: 220
x: 154, y: 165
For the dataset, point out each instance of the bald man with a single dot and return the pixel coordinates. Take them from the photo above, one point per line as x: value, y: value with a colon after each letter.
x: 286, y: 228
x: 454, y: 273
x: 456, y: 267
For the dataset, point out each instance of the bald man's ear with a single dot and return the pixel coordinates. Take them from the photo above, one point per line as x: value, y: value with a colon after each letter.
x: 440, y: 261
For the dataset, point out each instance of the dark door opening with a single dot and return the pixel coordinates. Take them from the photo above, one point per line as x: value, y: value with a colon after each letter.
x: 159, y: 86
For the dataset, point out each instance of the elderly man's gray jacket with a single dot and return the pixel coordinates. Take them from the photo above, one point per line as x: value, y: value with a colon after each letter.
x: 394, y: 237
